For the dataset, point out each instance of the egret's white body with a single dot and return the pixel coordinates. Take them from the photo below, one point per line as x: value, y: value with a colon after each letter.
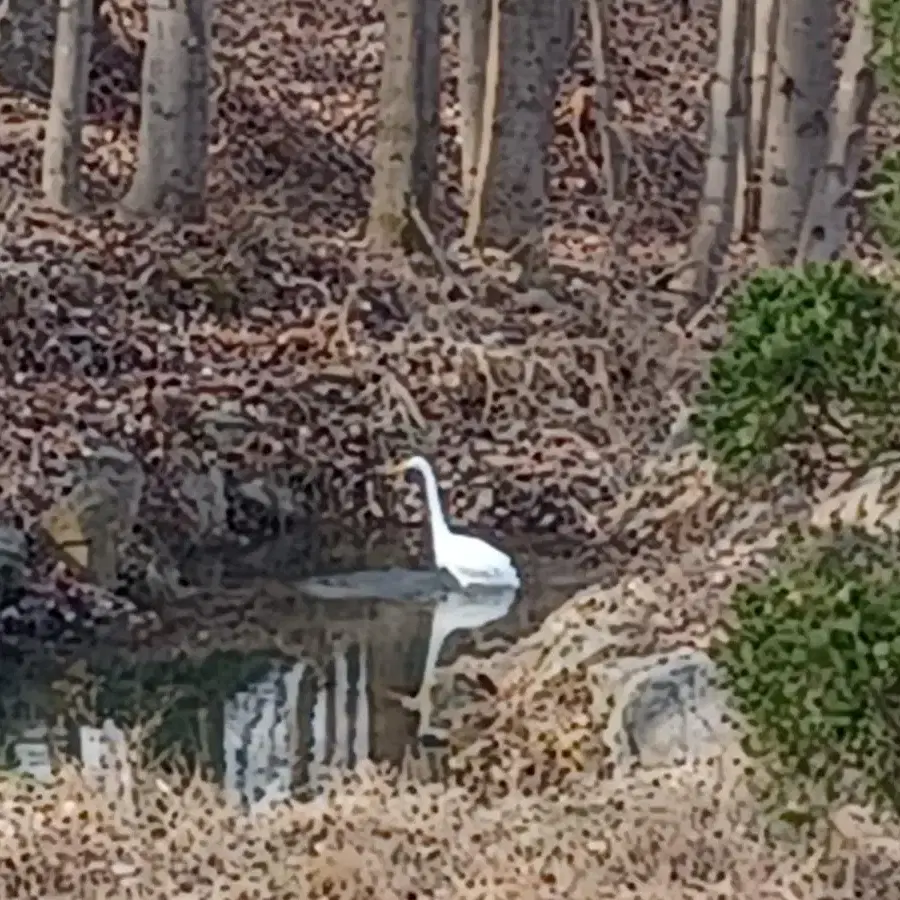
x: 474, y: 564
x: 471, y: 561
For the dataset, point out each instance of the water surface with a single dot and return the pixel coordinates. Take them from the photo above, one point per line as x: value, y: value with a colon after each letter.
x: 263, y: 692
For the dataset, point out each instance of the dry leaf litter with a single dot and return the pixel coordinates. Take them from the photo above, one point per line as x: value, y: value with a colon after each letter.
x: 267, y: 354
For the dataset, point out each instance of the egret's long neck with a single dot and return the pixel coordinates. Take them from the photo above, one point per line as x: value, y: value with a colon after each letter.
x: 433, y: 498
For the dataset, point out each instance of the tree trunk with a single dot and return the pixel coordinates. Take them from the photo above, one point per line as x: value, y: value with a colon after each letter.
x: 198, y: 115
x: 27, y: 45
x: 528, y: 49
x: 405, y: 155
x: 727, y: 129
x: 170, y: 175
x: 827, y: 220
x: 797, y: 122
x: 28, y: 40
x: 474, y: 34
x: 560, y: 38
x: 68, y: 103
x: 612, y: 148
x: 764, y: 39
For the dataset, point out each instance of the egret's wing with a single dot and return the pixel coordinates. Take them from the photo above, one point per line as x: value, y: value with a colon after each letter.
x: 479, y: 561
x: 474, y: 561
x: 479, y: 554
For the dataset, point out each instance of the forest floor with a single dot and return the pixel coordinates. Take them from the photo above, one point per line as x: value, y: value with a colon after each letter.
x: 546, y: 412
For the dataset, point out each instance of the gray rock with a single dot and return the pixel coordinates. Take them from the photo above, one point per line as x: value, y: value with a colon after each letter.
x: 668, y: 709
x: 13, y: 558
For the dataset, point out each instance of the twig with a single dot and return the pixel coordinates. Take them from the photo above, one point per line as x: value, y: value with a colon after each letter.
x: 481, y: 361
x: 612, y: 141
x: 436, y: 251
x: 343, y: 322
x: 10, y: 206
x: 407, y: 401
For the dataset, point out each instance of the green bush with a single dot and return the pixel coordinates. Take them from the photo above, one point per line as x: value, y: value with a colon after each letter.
x: 884, y: 205
x: 886, y: 28
x: 810, y: 366
x: 812, y: 660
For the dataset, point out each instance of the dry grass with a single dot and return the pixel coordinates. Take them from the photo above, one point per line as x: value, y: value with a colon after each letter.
x: 687, y: 834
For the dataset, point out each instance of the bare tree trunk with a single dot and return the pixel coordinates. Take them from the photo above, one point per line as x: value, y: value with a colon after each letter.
x: 528, y: 48
x: 405, y: 156
x: 612, y: 147
x: 797, y: 122
x: 27, y: 45
x: 764, y: 40
x: 68, y: 104
x: 743, y: 187
x: 824, y: 231
x: 173, y: 138
x: 560, y: 41
x: 474, y: 32
x: 727, y: 129
x: 198, y: 114
x: 28, y: 40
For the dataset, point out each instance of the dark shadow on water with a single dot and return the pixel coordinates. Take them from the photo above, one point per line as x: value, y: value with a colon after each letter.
x: 271, y: 683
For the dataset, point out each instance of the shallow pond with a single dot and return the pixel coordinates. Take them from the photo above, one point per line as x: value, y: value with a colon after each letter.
x: 267, y: 690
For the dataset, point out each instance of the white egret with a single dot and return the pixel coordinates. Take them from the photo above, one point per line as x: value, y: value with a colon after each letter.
x: 471, y: 561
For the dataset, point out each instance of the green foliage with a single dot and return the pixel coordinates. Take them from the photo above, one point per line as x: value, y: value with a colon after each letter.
x: 884, y: 206
x: 810, y: 364
x: 885, y: 203
x: 886, y: 29
x: 812, y: 659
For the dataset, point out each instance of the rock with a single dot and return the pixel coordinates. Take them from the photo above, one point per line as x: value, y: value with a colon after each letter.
x: 668, y: 709
x: 89, y: 525
x: 379, y: 584
x: 13, y: 557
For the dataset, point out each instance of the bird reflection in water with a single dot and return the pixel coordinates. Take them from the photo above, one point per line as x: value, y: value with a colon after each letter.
x: 456, y: 611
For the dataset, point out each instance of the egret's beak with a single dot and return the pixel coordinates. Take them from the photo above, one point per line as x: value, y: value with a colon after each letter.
x: 397, y: 469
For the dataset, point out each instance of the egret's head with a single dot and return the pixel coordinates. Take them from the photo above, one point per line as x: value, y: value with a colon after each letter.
x: 414, y: 463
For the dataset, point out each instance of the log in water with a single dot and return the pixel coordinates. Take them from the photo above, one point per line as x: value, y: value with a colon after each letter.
x: 380, y: 584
